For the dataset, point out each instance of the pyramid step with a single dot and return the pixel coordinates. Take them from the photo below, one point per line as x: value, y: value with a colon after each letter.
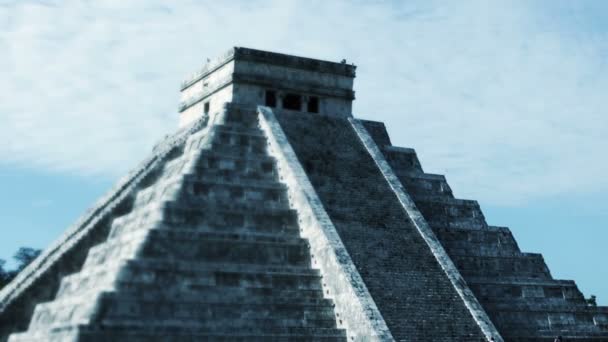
x: 138, y: 274
x: 62, y: 312
x: 90, y: 278
x: 482, y: 242
x: 210, y: 182
x: 139, y: 217
x: 117, y: 306
x: 255, y: 149
x: 515, y: 279
x: 524, y: 265
x: 214, y: 167
x: 423, y: 184
x: 179, y: 278
x: 117, y: 249
x: 206, y: 214
x: 549, y: 303
x: 581, y: 322
x: 194, y: 276
x: 201, y: 206
x: 234, y: 217
x: 161, y: 191
x: 519, y: 332
x: 269, y: 227
x: 237, y: 136
x: 248, y: 190
x: 234, y: 175
x: 242, y: 117
x: 232, y: 199
x: 218, y: 161
x: 478, y: 250
x: 236, y: 139
x: 222, y: 294
x: 223, y: 222
x: 548, y: 308
x: 195, y: 244
x: 225, y: 326
x: 184, y: 244
x: 579, y: 334
x: 219, y: 237
x: 175, y: 165
x: 260, y: 191
x: 62, y: 334
x: 442, y: 222
x: 194, y: 332
x: 490, y: 235
x: 198, y: 284
x: 527, y: 324
x: 491, y: 291
x: 550, y: 337
x: 237, y: 129
x: 147, y: 331
x: 402, y: 159
x: 451, y: 213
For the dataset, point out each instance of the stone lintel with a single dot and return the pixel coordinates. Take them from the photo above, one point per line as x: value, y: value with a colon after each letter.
x: 267, y: 57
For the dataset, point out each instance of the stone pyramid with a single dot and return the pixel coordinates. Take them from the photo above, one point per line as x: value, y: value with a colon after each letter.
x: 274, y: 215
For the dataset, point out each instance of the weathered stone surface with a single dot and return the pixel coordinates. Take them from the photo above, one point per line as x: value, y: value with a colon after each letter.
x: 295, y: 222
x: 209, y: 250
x: 413, y: 294
x: 40, y: 280
x: 516, y: 289
x: 355, y: 307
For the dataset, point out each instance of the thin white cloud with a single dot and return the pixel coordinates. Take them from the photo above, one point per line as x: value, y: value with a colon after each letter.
x: 495, y: 95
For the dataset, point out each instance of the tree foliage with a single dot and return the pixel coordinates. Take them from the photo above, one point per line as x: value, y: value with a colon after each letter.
x: 23, y: 257
x: 3, y: 274
x: 592, y: 301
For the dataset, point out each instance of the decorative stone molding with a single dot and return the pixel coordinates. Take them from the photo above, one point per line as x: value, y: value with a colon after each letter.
x: 267, y: 57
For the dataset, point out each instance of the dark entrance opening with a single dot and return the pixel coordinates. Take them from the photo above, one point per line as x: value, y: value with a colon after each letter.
x: 313, y: 104
x: 292, y: 101
x: 206, y: 108
x: 271, y: 98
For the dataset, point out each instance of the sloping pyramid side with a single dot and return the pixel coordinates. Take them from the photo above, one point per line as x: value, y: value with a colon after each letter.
x: 516, y: 289
x: 40, y: 281
x: 209, y: 246
x: 417, y: 290
x: 210, y: 250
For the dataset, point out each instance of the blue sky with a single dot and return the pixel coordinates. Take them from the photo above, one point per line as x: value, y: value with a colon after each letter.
x: 507, y: 98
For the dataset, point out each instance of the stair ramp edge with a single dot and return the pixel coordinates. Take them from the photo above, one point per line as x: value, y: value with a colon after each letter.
x: 354, y: 306
x: 458, y: 282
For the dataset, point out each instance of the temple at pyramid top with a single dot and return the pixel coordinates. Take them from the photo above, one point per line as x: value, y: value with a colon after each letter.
x: 255, y: 77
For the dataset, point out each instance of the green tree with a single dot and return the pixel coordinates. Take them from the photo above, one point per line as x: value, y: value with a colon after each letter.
x: 592, y: 301
x: 23, y: 257
x: 3, y: 274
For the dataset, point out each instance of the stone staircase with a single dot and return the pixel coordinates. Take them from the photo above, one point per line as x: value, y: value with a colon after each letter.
x: 401, y: 271
x: 210, y: 250
x: 516, y: 289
